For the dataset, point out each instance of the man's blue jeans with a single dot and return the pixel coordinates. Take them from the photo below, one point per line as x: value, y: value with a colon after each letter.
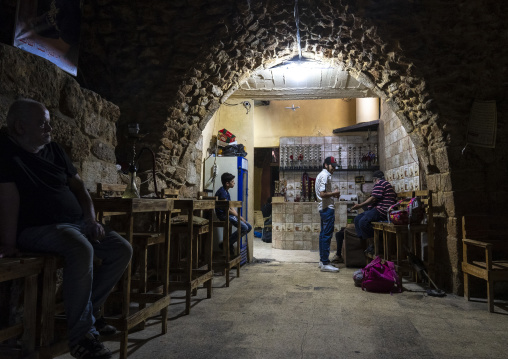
x: 363, y: 222
x: 84, y: 289
x: 325, y: 236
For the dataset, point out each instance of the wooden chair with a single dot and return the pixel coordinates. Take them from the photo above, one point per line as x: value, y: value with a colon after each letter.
x: 484, y: 252
x: 28, y: 269
x: 401, y: 236
x: 141, y: 240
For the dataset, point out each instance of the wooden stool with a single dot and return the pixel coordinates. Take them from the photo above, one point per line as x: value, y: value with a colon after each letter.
x: 28, y: 269
x: 192, y: 259
x: 228, y: 262
x: 142, y: 241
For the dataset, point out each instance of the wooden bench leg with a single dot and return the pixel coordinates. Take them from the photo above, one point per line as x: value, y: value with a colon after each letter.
x: 490, y: 295
x: 143, y: 278
x: 48, y: 306
x: 30, y: 314
x: 466, y: 287
x: 124, y: 337
x: 209, y: 259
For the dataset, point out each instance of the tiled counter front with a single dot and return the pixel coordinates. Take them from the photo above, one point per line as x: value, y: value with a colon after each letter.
x: 296, y: 225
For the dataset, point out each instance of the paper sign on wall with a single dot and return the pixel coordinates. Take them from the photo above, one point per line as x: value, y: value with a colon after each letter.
x: 482, y: 124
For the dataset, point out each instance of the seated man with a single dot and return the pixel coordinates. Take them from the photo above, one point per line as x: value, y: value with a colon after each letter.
x: 228, y: 182
x: 382, y: 197
x: 45, y: 207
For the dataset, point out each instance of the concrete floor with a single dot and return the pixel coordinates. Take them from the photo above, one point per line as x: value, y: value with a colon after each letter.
x: 282, y: 306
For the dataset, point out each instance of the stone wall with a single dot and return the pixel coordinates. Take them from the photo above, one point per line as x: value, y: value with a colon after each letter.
x: 169, y: 64
x: 83, y: 122
x: 400, y: 163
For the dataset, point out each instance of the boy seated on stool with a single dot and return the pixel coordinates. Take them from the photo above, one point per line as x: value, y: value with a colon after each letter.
x: 228, y: 182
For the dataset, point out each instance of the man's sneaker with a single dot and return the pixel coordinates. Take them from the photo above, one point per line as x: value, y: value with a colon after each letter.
x: 104, y: 328
x: 329, y: 268
x: 337, y: 259
x: 90, y: 348
x: 370, y: 249
x: 320, y: 264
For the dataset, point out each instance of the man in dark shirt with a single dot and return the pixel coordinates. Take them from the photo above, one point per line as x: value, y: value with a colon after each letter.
x: 382, y: 197
x: 228, y: 182
x: 45, y: 207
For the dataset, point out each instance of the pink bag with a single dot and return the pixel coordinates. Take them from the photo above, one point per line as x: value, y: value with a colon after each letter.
x: 380, y: 276
x: 413, y: 214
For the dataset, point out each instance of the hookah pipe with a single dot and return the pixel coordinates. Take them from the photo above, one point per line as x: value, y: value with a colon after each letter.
x: 131, y: 191
x: 153, y: 169
x: 133, y: 169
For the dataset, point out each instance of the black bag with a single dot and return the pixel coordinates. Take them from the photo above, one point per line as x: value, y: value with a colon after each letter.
x: 234, y: 151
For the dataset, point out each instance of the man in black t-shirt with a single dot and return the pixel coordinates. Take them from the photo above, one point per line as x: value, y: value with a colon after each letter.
x: 45, y: 207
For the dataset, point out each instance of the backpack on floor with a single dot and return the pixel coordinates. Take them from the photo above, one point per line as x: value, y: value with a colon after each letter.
x: 380, y: 276
x: 358, y: 277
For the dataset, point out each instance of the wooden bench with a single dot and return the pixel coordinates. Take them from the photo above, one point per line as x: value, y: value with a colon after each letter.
x: 396, y: 238
x: 28, y: 269
x: 49, y: 307
x: 484, y: 252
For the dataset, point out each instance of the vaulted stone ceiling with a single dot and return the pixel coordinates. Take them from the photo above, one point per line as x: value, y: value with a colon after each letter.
x: 314, y: 82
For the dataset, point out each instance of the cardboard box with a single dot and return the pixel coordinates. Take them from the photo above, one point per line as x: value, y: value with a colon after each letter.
x: 225, y: 136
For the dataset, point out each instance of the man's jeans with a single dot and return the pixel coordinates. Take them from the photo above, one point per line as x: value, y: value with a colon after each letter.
x: 245, y: 228
x: 325, y: 236
x: 84, y: 289
x: 363, y: 222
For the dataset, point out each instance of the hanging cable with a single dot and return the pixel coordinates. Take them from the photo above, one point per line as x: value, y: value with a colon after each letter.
x: 297, y: 20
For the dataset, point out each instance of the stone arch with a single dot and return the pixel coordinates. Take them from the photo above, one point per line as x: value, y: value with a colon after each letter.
x: 194, y: 55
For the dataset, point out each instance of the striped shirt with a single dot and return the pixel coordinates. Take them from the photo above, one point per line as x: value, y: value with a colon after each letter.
x: 385, y: 196
x: 324, y: 184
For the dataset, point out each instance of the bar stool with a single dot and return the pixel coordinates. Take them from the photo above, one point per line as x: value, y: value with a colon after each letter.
x: 226, y: 259
x: 142, y: 241
x: 191, y: 255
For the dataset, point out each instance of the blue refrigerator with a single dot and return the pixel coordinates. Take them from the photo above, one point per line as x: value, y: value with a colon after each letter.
x: 213, y: 169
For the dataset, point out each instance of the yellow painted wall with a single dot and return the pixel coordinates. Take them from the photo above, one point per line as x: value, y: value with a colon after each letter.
x: 313, y: 118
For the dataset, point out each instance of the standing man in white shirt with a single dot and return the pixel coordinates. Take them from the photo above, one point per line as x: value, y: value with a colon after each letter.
x: 325, y: 196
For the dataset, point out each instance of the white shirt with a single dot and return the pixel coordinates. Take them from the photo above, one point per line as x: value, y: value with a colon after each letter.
x: 324, y: 184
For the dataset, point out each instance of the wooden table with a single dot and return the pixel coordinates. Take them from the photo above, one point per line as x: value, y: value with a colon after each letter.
x: 160, y: 301
x: 192, y: 276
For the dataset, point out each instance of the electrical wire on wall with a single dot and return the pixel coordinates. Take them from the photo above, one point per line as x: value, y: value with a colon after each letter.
x: 245, y: 104
x: 297, y: 21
